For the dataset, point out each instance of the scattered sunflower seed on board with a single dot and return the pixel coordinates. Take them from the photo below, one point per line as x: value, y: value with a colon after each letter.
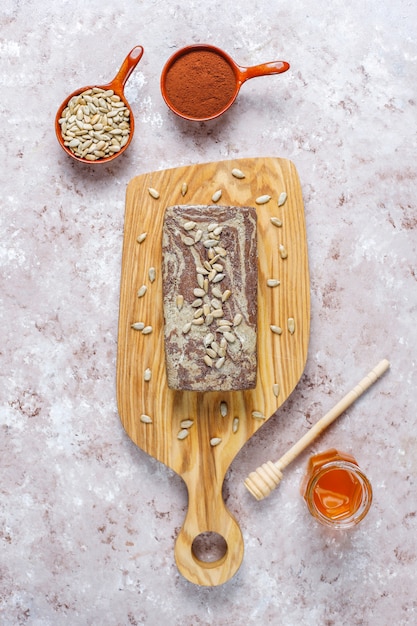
x: 282, y: 198
x: 276, y: 329
x: 141, y: 238
x: 214, y: 441
x: 276, y: 221
x: 283, y: 251
x: 237, y: 173
x: 183, y: 433
x: 223, y: 408
x: 184, y: 189
x: 291, y: 325
x: 216, y: 196
x: 147, y: 375
x: 147, y: 330
x: 272, y: 282
x: 145, y: 419
x: 186, y: 423
x: 263, y: 199
x: 275, y: 390
x: 153, y: 192
x: 235, y: 425
x: 258, y: 415
x: 142, y: 290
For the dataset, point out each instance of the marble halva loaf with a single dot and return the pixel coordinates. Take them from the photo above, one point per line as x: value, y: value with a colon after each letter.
x: 210, y: 281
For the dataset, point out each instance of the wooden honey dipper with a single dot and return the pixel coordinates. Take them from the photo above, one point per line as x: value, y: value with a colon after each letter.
x: 263, y: 480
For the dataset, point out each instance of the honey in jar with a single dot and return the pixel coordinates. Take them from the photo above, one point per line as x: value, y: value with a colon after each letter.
x: 337, y: 492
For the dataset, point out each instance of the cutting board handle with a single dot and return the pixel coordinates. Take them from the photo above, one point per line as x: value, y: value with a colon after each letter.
x: 207, y: 513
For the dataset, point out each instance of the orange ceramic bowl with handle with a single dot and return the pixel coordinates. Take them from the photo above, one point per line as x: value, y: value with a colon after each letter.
x: 117, y: 86
x: 200, y: 82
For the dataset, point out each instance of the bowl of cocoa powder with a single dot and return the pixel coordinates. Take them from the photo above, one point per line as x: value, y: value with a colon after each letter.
x: 200, y: 82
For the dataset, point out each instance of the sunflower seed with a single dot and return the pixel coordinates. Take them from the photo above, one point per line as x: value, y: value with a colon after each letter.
x: 190, y: 225
x: 206, y: 310
x: 183, y: 433
x: 209, y: 319
x: 220, y: 362
x: 179, y: 302
x: 272, y: 282
x: 218, y: 278
x: 220, y: 251
x: 186, y: 328
x: 217, y: 313
x: 212, y: 226
x: 217, y: 267
x: 223, y: 408
x: 211, y: 353
x: 283, y: 252
x: 208, y: 339
x: 208, y: 360
x: 214, y: 441
x: 201, y: 270
x: 199, y: 293
x: 147, y: 330
x: 237, y: 173
x: 200, y: 280
x: 216, y: 304
x: 291, y: 325
x: 152, y: 192
x: 189, y: 241
x: 217, y: 293
x: 282, y: 198
x: 216, y: 196
x: 210, y: 243
x: 147, y: 375
x: 258, y: 415
x: 141, y: 237
x: 198, y: 313
x: 237, y: 319
x: 198, y: 322
x: 186, y: 423
x: 145, y: 419
x: 275, y: 390
x: 142, y: 291
x: 263, y: 199
x: 276, y: 221
x: 235, y: 425
x: 230, y: 337
x: 215, y: 346
x: 218, y: 231
x: 276, y: 329
x: 152, y: 274
x: 198, y: 236
x: 197, y: 303
x: 138, y: 326
x: 184, y: 189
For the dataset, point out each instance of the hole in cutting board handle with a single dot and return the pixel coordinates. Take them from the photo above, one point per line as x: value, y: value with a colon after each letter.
x: 209, y: 548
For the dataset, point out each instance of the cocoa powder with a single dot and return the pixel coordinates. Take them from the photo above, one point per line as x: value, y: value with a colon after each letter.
x: 200, y: 83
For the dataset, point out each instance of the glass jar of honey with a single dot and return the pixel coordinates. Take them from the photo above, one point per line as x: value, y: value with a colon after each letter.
x: 337, y: 492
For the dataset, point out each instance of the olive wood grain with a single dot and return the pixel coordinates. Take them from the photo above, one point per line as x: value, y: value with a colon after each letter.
x: 281, y: 358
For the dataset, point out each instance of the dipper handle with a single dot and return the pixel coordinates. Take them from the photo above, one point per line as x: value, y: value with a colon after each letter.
x: 263, y: 480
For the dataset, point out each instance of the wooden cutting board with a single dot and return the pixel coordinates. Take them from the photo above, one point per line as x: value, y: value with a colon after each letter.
x: 235, y: 416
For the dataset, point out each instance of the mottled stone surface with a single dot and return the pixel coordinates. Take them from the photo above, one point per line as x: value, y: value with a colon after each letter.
x: 88, y: 521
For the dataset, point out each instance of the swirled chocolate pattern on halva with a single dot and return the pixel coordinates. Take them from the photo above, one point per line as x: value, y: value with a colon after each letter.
x: 210, y: 281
